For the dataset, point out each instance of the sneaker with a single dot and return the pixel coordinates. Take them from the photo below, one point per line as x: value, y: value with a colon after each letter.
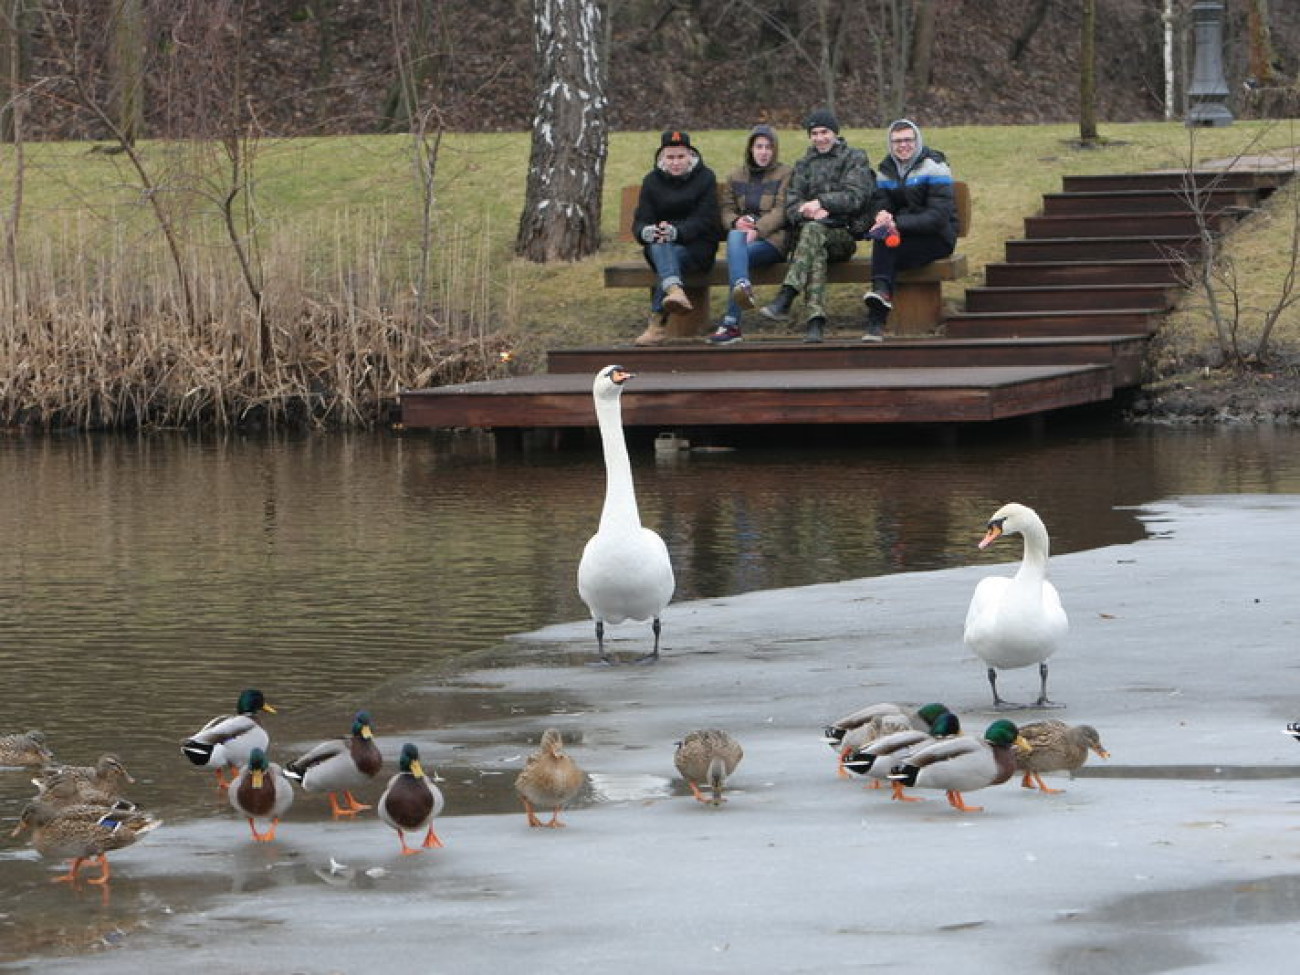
x: 779, y: 309
x: 675, y: 300
x: 879, y: 301
x: 875, y: 332
x: 726, y: 334
x: 815, y: 328
x: 743, y: 294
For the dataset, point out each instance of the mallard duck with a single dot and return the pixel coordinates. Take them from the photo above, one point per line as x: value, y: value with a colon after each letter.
x: 959, y: 765
x: 919, y: 718
x: 709, y: 755
x: 878, y: 759
x: 27, y: 749
x: 228, y: 739
x: 1055, y: 747
x: 1017, y: 621
x: 1293, y: 729
x: 411, y: 801
x: 104, y: 782
x: 83, y: 832
x: 625, y: 572
x: 261, y: 791
x: 856, y: 739
x: 550, y: 779
x: 341, y: 765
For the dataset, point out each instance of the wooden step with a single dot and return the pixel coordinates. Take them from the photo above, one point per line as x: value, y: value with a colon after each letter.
x: 1177, y: 180
x: 1155, y: 297
x: 1029, y: 274
x: 1150, y: 201
x: 1171, y: 248
x: 1123, y: 352
x: 673, y: 401
x: 1126, y: 224
x: 1114, y: 321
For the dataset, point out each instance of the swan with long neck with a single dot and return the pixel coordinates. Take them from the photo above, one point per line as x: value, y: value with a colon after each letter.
x: 625, y: 572
x: 1017, y: 621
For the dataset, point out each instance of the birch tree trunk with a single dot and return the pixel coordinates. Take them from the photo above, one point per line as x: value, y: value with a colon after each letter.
x: 566, y: 169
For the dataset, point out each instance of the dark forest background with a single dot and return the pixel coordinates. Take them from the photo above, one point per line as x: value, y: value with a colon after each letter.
x: 308, y: 67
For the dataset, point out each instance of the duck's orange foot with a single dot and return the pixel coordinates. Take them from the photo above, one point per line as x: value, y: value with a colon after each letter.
x: 957, y: 802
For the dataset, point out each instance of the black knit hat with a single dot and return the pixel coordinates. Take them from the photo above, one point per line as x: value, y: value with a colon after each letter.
x: 822, y: 118
x: 675, y: 138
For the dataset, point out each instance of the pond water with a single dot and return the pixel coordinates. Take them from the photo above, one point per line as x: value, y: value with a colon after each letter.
x: 148, y: 580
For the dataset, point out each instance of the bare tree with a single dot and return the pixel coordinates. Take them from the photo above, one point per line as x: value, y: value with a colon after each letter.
x: 15, y: 57
x: 1262, y: 58
x: 566, y: 169
x: 1211, y: 273
x: 1028, y: 29
x: 411, y: 45
x: 128, y: 30
x: 1088, y: 74
x: 923, y: 31
x: 890, y: 24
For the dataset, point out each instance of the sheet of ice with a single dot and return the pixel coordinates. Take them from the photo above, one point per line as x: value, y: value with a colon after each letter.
x: 1182, y: 652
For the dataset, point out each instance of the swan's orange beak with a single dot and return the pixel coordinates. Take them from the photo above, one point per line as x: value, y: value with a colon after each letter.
x: 620, y: 376
x: 994, y: 533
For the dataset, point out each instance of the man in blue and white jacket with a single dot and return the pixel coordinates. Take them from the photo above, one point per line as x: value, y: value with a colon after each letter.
x: 916, y: 218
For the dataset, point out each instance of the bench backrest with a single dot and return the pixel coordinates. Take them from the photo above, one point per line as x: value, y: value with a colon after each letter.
x: 630, y: 194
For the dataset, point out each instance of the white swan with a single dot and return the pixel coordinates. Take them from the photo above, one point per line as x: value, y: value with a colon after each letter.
x: 625, y: 572
x: 1017, y: 621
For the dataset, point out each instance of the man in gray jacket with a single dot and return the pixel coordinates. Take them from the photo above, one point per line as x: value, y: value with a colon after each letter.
x: 828, y: 198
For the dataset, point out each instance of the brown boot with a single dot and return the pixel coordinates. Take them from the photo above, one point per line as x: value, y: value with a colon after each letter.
x: 675, y: 300
x: 656, y: 330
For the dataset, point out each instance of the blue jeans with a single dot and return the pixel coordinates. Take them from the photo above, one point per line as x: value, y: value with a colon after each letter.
x: 667, y: 260
x: 740, y: 258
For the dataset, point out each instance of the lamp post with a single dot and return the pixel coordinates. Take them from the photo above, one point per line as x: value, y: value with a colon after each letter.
x: 1208, y: 93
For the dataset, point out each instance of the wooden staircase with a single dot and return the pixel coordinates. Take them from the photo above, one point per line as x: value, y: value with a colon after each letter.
x: 1062, y: 321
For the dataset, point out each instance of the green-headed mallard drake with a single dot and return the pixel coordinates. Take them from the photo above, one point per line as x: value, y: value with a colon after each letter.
x: 411, y: 801
x: 261, y: 791
x: 1055, y: 747
x: 962, y: 764
x: 550, y: 779
x: 707, y: 756
x: 104, y: 782
x: 878, y: 758
x: 919, y: 718
x: 341, y: 765
x: 228, y: 739
x: 1017, y: 621
x: 83, y: 832
x: 25, y: 750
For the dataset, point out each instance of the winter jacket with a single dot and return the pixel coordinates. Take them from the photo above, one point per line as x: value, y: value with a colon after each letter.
x: 758, y: 192
x: 919, y: 196
x: 840, y: 178
x: 688, y: 202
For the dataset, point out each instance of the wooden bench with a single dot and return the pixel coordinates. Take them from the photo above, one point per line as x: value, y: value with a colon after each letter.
x: 918, y: 293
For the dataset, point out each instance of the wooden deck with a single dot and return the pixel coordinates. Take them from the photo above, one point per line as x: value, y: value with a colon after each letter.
x: 903, y: 394
x: 1063, y: 322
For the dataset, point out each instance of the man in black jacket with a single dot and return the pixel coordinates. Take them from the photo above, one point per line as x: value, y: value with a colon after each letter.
x: 678, y: 225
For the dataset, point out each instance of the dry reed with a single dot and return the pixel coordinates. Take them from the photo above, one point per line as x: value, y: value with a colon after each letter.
x: 95, y: 337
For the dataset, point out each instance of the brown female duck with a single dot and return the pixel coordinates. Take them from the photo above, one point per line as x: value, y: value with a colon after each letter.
x: 550, y: 780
